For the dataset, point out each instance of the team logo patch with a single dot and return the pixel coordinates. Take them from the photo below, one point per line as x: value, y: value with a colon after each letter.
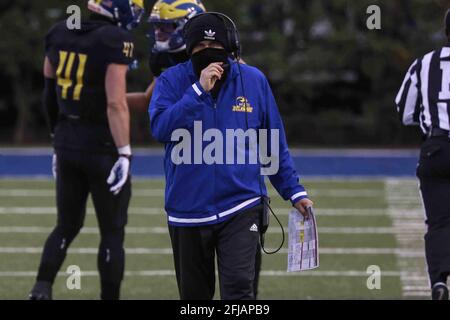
x: 210, y: 35
x: 241, y: 104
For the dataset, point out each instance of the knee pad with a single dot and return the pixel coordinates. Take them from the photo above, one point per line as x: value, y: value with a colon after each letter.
x: 111, y: 257
x: 66, y: 234
x: 111, y: 245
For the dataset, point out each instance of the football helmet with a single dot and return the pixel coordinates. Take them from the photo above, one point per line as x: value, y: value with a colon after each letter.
x: 126, y: 13
x: 168, y: 18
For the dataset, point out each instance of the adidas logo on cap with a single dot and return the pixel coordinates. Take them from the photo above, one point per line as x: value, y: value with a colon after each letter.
x: 254, y: 228
x: 210, y: 35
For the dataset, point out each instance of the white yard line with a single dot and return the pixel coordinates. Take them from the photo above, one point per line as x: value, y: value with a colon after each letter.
x: 157, y: 211
x: 164, y: 230
x: 417, y: 294
x: 404, y: 207
x: 264, y: 273
x: 150, y: 211
x: 168, y: 251
x: 140, y: 192
x: 50, y: 193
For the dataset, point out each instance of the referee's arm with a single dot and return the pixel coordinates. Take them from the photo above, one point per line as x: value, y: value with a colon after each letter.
x: 408, y: 98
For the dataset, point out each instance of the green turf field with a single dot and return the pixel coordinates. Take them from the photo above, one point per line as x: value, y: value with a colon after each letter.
x: 361, y: 223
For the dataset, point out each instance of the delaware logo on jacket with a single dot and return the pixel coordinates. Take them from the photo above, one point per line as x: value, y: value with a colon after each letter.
x: 241, y: 102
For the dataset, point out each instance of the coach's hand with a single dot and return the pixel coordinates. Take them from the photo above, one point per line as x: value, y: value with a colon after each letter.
x: 210, y: 75
x: 119, y: 174
x: 302, y: 205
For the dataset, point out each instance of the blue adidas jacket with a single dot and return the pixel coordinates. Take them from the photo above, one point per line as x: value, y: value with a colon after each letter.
x: 201, y: 194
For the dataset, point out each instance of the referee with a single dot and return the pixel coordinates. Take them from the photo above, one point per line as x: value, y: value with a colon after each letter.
x: 424, y: 100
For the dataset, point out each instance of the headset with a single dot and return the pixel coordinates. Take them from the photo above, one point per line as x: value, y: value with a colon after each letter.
x: 233, y: 46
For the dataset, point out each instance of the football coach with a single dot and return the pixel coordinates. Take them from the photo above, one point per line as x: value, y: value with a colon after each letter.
x: 215, y: 203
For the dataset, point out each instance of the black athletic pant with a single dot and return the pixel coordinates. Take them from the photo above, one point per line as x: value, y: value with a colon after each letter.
x: 434, y: 175
x: 258, y: 262
x: 194, y: 250
x: 78, y: 174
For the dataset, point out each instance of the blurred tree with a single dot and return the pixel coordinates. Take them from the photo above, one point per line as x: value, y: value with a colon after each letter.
x: 24, y: 25
x: 334, y: 80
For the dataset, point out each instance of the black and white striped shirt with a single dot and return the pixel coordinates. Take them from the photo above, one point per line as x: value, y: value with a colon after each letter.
x: 424, y: 97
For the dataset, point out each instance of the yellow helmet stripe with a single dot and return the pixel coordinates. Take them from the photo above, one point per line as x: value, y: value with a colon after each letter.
x: 139, y: 3
x: 176, y: 3
x: 170, y: 11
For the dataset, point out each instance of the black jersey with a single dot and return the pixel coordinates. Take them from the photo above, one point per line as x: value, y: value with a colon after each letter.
x: 80, y: 58
x: 160, y: 61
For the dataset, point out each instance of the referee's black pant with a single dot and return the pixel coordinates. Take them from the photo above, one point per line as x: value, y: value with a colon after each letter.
x: 433, y: 172
x: 194, y: 250
x: 78, y: 174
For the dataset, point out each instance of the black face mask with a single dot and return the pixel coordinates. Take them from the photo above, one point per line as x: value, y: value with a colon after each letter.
x: 203, y: 58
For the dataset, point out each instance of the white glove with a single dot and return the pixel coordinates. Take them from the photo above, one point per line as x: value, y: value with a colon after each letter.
x: 54, y: 165
x: 119, y: 174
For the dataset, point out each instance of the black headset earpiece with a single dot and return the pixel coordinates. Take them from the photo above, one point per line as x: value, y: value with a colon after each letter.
x: 233, y: 36
x: 234, y: 45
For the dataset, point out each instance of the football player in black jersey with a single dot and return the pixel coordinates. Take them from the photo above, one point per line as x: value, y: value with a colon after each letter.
x: 85, y: 99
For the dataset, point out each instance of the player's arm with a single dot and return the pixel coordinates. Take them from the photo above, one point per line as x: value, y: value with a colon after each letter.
x: 119, y: 123
x: 118, y: 113
x: 49, y: 98
x: 139, y: 101
x: 118, y: 51
x: 407, y: 100
x: 50, y: 102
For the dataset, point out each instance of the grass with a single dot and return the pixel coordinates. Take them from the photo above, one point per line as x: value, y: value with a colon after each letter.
x: 328, y: 196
